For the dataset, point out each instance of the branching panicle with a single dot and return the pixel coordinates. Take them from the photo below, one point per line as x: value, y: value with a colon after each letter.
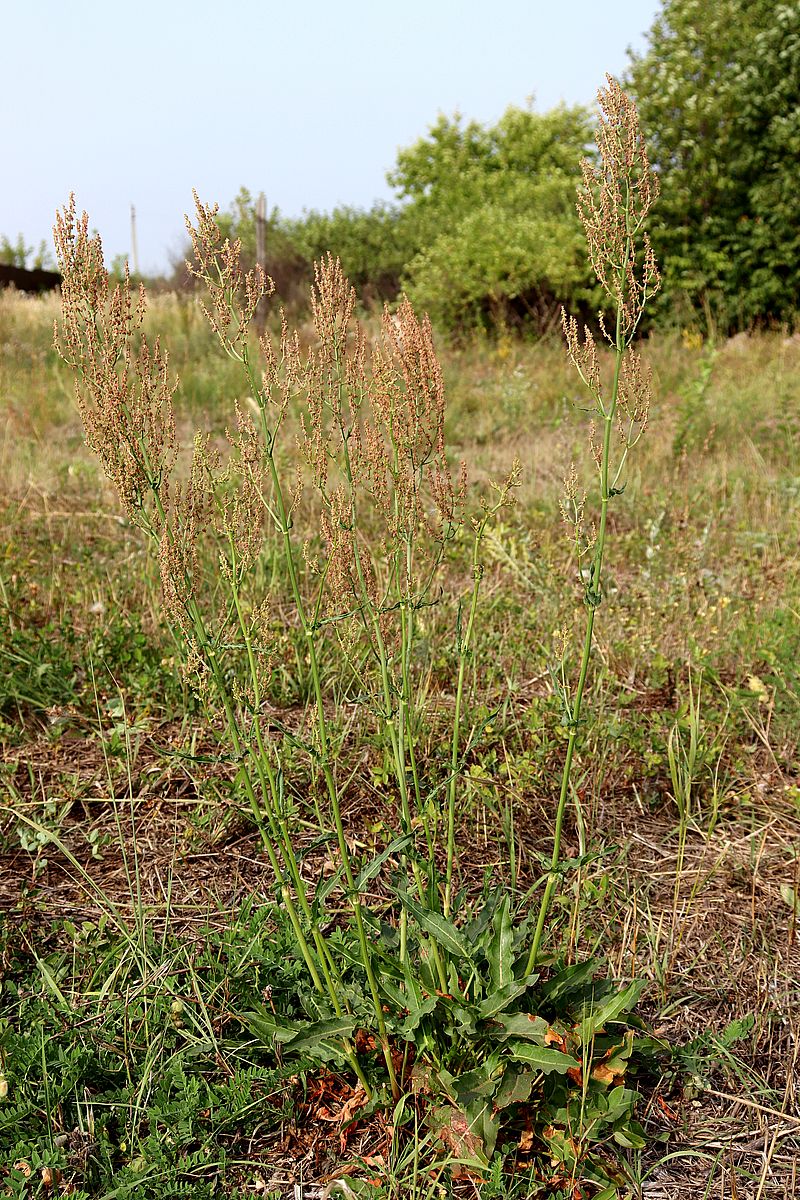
x: 234, y: 295
x: 613, y: 205
x: 124, y: 389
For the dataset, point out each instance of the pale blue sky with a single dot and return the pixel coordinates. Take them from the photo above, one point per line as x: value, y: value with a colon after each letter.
x: 309, y: 101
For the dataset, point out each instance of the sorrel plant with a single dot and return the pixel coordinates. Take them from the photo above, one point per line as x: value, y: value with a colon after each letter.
x: 348, y: 438
x: 613, y: 205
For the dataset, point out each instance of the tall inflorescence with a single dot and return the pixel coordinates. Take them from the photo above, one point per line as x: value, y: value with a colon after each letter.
x: 124, y: 394
x: 409, y: 411
x: 617, y: 195
x: 373, y: 438
x: 233, y: 295
x: 124, y: 389
x: 614, y: 201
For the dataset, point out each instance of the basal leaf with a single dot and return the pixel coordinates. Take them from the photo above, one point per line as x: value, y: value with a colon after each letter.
x: 611, y: 1009
x: 267, y: 1026
x: 523, y: 1025
x: 500, y: 1000
x: 308, y: 1038
x: 571, y: 979
x: 515, y: 1088
x: 629, y: 1134
x: 501, y: 947
x: 411, y: 1023
x: 542, y: 1058
x: 444, y: 932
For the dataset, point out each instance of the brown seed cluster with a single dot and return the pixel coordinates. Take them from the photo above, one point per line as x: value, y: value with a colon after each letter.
x: 635, y: 391
x: 189, y: 516
x: 372, y: 439
x: 373, y: 436
x: 124, y: 389
x: 613, y: 205
x: 233, y: 295
x: 614, y: 201
x: 573, y: 514
x: 241, y: 503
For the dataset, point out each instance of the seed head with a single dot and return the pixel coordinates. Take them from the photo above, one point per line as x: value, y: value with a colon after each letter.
x: 613, y: 205
x: 123, y: 388
x: 233, y: 294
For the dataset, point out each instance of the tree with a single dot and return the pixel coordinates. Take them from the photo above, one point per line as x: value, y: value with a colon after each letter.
x: 18, y: 254
x: 718, y: 91
x: 484, y: 232
x: 372, y: 244
x: 491, y: 212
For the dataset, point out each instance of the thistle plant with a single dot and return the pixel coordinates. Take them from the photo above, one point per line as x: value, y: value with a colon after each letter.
x: 613, y: 204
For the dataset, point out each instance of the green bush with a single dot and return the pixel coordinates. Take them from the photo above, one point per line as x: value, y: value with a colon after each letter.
x: 718, y: 90
x: 491, y: 210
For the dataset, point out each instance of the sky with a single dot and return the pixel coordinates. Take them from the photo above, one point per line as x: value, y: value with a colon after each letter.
x: 306, y: 100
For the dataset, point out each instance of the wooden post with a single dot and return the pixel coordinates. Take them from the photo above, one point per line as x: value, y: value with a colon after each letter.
x: 134, y: 247
x: 261, y: 254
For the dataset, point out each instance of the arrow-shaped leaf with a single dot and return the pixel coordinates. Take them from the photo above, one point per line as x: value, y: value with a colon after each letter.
x: 444, y: 932
x: 501, y: 947
x: 542, y: 1058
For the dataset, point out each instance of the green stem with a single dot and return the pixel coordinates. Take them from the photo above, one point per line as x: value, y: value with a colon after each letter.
x: 463, y: 657
x: 284, y: 527
x: 593, y: 600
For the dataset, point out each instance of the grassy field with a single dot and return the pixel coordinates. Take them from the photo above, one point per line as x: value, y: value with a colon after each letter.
x: 138, y: 910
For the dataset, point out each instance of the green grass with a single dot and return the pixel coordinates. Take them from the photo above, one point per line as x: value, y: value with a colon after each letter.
x: 131, y: 879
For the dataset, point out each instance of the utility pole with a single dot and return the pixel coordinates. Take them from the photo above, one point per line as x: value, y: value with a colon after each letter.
x: 134, y: 248
x: 261, y: 254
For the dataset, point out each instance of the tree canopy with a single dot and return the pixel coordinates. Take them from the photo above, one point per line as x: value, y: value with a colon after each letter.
x: 718, y: 91
x: 490, y: 210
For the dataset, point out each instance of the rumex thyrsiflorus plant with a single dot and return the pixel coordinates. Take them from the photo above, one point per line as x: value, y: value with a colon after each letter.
x: 421, y: 994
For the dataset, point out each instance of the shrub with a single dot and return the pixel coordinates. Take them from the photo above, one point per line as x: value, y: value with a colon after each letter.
x: 492, y: 215
x: 718, y: 91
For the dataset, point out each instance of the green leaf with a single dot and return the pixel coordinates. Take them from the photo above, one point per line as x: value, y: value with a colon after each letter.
x: 396, y: 995
x: 326, y: 886
x: 501, y: 947
x: 372, y: 869
x: 266, y: 1026
x: 571, y: 979
x: 630, y: 1135
x: 484, y: 1124
x: 499, y: 1000
x: 444, y: 933
x: 310, y: 1036
x: 620, y: 1101
x: 416, y: 1015
x: 542, y: 1058
x: 515, y: 1088
x: 320, y: 1040
x: 478, y: 1082
x: 611, y: 1009
x: 465, y: 1016
x: 737, y: 1030
x: 50, y: 982
x: 523, y: 1025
